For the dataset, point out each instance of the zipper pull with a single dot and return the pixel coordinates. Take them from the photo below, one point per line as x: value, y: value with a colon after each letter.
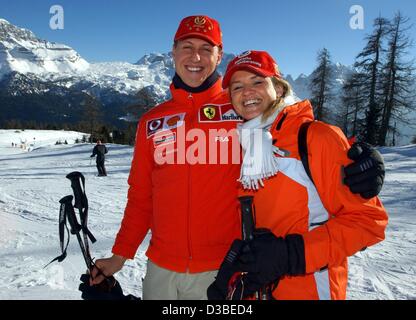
x: 190, y: 95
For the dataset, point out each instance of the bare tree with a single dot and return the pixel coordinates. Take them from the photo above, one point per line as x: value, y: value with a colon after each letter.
x: 398, y: 79
x: 368, y: 63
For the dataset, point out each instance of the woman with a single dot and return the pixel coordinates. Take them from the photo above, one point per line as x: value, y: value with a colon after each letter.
x: 312, y: 226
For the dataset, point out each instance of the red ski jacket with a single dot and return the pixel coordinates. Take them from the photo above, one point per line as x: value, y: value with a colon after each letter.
x: 190, y: 203
x: 335, y: 223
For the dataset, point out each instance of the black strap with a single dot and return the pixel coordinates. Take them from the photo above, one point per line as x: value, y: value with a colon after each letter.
x: 67, y: 214
x: 303, y: 147
x: 62, y: 227
x: 303, y: 153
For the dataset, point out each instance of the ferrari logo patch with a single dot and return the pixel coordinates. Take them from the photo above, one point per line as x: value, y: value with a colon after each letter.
x: 209, y: 112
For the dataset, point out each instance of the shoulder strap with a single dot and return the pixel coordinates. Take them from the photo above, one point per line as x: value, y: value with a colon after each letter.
x: 303, y: 147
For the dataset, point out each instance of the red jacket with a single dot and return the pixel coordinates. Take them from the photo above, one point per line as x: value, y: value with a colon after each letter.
x: 191, y: 209
x: 291, y: 203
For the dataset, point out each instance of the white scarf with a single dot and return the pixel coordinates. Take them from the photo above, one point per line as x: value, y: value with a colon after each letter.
x: 259, y: 160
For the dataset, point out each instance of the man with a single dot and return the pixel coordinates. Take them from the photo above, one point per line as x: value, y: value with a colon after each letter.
x: 184, y: 193
x: 100, y: 150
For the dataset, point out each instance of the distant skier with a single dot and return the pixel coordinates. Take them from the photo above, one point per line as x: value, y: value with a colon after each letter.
x: 100, y: 150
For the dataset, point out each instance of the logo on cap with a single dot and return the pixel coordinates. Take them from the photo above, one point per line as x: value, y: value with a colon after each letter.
x: 199, y: 21
x: 244, y: 54
x: 198, y: 24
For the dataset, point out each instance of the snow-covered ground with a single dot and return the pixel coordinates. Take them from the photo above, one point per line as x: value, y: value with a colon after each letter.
x: 18, y: 141
x: 31, y: 184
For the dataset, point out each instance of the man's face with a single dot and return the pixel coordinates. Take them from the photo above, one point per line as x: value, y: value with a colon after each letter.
x: 195, y: 60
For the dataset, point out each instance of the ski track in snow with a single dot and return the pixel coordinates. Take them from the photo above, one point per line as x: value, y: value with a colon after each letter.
x: 31, y: 184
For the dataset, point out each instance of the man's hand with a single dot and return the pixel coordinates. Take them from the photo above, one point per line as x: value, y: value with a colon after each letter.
x: 366, y: 174
x: 105, y: 268
x: 98, y: 292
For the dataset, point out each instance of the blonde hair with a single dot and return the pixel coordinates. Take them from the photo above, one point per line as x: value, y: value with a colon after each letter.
x: 279, y: 102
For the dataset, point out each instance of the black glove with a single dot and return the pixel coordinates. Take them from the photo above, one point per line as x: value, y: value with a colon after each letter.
x: 270, y: 258
x: 366, y: 174
x: 218, y: 290
x: 92, y: 156
x: 102, y: 291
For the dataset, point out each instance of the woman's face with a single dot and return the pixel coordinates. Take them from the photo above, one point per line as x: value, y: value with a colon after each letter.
x: 251, y: 94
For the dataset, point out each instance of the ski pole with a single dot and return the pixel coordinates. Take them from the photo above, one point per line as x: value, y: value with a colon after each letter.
x: 247, y: 218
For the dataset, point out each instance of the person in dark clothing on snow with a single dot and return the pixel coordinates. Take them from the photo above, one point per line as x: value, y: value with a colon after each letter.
x: 100, y: 150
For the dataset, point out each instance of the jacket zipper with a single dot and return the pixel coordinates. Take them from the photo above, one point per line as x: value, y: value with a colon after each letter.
x: 190, y: 97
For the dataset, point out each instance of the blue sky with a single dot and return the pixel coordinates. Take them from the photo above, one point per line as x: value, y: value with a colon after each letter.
x: 292, y: 31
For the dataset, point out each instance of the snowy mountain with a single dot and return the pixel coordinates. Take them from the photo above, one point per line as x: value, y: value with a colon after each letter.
x: 31, y: 184
x: 37, y: 77
x: 22, y: 51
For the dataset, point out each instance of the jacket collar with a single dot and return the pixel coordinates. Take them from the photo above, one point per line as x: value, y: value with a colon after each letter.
x: 181, y: 95
x: 179, y: 84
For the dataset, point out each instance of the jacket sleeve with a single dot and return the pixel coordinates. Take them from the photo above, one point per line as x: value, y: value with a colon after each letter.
x: 94, y: 151
x: 354, y: 223
x: 138, y: 211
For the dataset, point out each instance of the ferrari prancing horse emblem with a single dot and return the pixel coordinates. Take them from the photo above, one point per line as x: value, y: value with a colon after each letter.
x: 209, y: 112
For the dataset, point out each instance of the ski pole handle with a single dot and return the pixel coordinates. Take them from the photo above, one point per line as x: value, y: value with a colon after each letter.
x: 76, y: 178
x: 248, y: 225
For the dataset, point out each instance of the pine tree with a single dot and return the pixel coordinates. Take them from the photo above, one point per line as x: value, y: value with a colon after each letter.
x: 368, y: 63
x: 321, y: 85
x: 398, y: 79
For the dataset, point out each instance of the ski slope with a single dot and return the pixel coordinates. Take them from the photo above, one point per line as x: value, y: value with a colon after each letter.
x: 32, y: 183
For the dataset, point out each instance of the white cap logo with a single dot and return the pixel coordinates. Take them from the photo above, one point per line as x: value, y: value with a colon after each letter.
x: 244, y: 54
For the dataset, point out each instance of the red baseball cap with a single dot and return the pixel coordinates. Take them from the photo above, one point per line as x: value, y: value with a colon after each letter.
x: 202, y: 27
x: 259, y: 62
